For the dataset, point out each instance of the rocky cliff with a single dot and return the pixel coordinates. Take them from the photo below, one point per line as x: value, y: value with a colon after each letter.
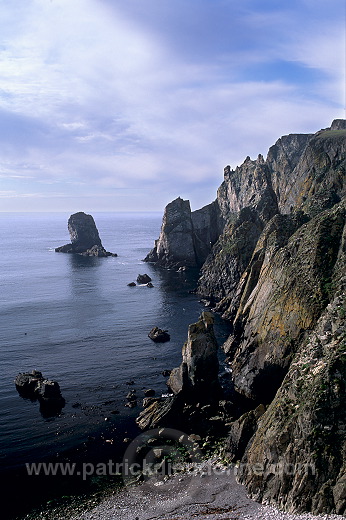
x: 186, y: 237
x: 276, y: 270
x: 85, y: 239
x: 196, y: 391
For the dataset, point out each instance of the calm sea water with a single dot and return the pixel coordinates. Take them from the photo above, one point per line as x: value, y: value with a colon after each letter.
x: 76, y: 320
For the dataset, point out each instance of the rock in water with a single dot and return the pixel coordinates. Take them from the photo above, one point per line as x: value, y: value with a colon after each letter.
x: 159, y: 335
x: 85, y: 239
x: 195, y: 381
x: 35, y: 386
x: 143, y: 278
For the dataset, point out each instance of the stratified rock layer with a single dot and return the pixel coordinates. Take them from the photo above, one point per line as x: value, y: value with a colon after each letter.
x: 276, y: 272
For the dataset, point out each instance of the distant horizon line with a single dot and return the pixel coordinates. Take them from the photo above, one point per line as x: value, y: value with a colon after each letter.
x: 78, y: 211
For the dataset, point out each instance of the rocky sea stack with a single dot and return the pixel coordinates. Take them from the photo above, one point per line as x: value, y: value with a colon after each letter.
x: 85, y: 239
x: 272, y: 248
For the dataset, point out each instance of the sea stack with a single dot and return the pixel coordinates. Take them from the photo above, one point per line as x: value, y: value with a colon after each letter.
x: 85, y: 239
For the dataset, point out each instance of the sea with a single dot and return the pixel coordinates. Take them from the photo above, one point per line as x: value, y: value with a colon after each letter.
x: 77, y: 321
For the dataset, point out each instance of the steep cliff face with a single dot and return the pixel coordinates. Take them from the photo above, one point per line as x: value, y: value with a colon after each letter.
x: 186, y: 237
x: 276, y: 271
x: 300, y: 444
x: 284, y: 290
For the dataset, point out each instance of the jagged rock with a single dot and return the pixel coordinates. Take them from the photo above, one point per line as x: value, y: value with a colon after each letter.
x: 301, y: 441
x: 149, y: 284
x: 186, y: 238
x: 131, y: 284
x: 147, y: 401
x: 197, y: 376
x: 143, y: 279
x: 241, y: 431
x: 35, y: 386
x: 85, y: 239
x: 160, y: 413
x: 26, y: 383
x: 194, y: 382
x: 159, y: 335
x: 284, y: 291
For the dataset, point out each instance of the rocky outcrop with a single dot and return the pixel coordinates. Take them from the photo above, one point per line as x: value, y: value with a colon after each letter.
x: 85, y: 239
x: 159, y: 335
x: 276, y: 273
x: 186, y: 237
x: 195, y: 386
x: 300, y: 445
x: 35, y: 386
x: 143, y: 279
x: 197, y: 376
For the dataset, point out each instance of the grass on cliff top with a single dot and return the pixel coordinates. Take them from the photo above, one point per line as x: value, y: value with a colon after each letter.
x: 332, y: 133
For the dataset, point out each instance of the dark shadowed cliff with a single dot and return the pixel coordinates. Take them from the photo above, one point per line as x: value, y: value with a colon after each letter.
x: 271, y: 248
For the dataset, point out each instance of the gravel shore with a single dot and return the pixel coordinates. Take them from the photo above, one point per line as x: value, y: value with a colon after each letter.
x: 215, y: 496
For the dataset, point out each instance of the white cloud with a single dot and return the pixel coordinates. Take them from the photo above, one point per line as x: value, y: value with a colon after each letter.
x: 119, y: 106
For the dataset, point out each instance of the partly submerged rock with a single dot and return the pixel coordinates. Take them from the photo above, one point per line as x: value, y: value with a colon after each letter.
x: 159, y: 335
x: 143, y: 279
x: 195, y: 386
x: 85, y: 239
x: 35, y: 386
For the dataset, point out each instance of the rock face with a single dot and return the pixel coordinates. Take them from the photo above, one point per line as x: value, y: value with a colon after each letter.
x: 309, y: 408
x: 35, y: 386
x: 197, y: 376
x: 194, y: 381
x: 276, y: 271
x: 85, y: 239
x: 186, y: 237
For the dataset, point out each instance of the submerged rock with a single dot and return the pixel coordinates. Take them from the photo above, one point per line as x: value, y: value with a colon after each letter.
x: 85, y: 239
x: 159, y: 335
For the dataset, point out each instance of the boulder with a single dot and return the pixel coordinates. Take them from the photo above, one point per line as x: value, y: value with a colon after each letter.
x: 27, y: 383
x: 159, y: 335
x: 85, y: 239
x: 143, y: 279
x: 131, y: 284
x: 35, y: 386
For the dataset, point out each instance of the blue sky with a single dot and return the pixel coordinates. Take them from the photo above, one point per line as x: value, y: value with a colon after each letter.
x: 123, y: 105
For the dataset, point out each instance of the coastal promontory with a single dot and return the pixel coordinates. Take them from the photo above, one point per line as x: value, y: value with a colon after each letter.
x: 272, y: 258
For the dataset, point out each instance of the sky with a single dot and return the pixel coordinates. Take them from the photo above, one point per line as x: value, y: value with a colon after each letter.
x: 124, y: 105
